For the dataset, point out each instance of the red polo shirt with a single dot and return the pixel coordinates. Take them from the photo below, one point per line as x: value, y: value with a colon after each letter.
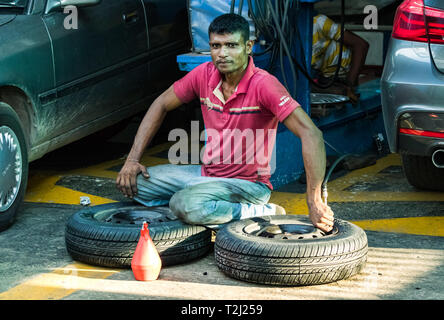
x: 241, y: 131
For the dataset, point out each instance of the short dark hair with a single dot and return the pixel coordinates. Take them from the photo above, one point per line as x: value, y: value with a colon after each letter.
x: 230, y: 23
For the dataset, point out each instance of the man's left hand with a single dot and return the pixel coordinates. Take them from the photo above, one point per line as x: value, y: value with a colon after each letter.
x: 321, y: 215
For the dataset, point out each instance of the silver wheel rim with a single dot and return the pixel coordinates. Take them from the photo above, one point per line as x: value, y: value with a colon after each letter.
x: 287, y: 231
x: 10, y: 167
x: 136, y: 215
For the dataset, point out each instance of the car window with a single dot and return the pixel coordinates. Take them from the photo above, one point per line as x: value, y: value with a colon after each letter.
x: 166, y: 21
x: 14, y: 3
x: 434, y: 3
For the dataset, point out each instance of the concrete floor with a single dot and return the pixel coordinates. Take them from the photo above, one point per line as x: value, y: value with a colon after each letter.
x: 404, y: 226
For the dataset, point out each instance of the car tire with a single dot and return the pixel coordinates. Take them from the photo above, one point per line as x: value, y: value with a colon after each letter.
x: 294, y: 254
x: 13, y: 165
x: 107, y: 235
x: 421, y: 173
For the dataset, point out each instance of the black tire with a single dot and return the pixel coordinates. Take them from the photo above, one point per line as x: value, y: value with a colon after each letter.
x: 246, y: 250
x: 13, y: 165
x: 107, y: 235
x: 421, y: 173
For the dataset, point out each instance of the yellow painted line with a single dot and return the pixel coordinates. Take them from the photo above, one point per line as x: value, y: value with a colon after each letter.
x: 43, y: 188
x: 42, y: 184
x: 293, y: 203
x: 344, y: 196
x: 363, y: 174
x: 428, y: 226
x: 56, y: 284
x: 100, y: 170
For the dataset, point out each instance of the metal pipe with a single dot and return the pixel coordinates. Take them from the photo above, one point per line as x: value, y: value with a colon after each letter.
x: 438, y: 158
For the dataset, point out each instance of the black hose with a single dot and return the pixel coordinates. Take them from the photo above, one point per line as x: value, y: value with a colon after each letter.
x: 284, y: 44
x: 265, y: 28
x: 281, y: 55
x: 241, y: 4
x: 333, y: 166
x: 324, y: 193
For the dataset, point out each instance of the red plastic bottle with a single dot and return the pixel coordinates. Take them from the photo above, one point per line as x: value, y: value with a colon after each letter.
x: 146, y: 261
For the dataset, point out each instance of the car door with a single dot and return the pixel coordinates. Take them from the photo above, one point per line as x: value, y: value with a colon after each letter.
x: 167, y: 22
x: 99, y: 66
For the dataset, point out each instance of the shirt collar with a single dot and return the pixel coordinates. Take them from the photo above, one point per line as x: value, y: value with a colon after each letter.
x: 245, y: 81
x: 242, y: 87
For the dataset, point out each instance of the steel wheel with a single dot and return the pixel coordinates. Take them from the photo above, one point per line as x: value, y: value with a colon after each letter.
x: 10, y: 167
x: 107, y: 235
x: 288, y: 250
x: 13, y: 165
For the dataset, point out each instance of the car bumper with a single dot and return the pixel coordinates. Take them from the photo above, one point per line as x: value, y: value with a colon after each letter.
x: 418, y: 146
x: 410, y: 83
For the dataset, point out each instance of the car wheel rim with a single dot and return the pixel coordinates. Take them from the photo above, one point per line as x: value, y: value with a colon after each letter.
x: 10, y: 167
x: 299, y: 231
x: 136, y: 215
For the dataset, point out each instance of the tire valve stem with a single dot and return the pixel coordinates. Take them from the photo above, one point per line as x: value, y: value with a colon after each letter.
x: 324, y: 193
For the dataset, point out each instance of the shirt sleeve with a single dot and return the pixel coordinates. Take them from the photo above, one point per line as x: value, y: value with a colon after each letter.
x: 275, y: 98
x: 187, y: 88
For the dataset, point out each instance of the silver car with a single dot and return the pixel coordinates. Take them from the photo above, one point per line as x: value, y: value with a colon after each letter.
x: 412, y: 91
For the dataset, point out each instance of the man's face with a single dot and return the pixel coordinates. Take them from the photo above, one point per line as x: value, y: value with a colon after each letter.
x: 230, y: 51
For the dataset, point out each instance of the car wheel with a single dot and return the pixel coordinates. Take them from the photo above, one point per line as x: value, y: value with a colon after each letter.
x: 421, y: 173
x: 13, y: 165
x: 107, y: 235
x: 288, y: 250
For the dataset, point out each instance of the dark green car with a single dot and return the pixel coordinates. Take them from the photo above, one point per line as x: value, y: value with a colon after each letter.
x: 69, y: 68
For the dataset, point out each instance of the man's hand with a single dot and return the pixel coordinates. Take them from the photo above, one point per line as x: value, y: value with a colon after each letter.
x: 126, y: 179
x: 151, y: 122
x: 321, y: 215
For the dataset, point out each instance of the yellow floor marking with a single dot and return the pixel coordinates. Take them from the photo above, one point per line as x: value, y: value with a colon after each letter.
x: 42, y: 188
x: 364, y: 174
x: 62, y: 282
x: 56, y: 284
x: 428, y: 226
x: 294, y: 203
x: 431, y: 226
x: 336, y: 187
x: 100, y: 170
x: 346, y: 196
x: 42, y: 184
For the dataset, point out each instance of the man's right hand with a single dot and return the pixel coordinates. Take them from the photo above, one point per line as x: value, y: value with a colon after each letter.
x: 126, y: 179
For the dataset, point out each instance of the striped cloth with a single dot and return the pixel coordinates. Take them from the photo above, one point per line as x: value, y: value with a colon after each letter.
x: 326, y: 46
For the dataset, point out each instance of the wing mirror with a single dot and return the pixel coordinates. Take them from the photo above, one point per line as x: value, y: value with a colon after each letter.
x: 58, y: 5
